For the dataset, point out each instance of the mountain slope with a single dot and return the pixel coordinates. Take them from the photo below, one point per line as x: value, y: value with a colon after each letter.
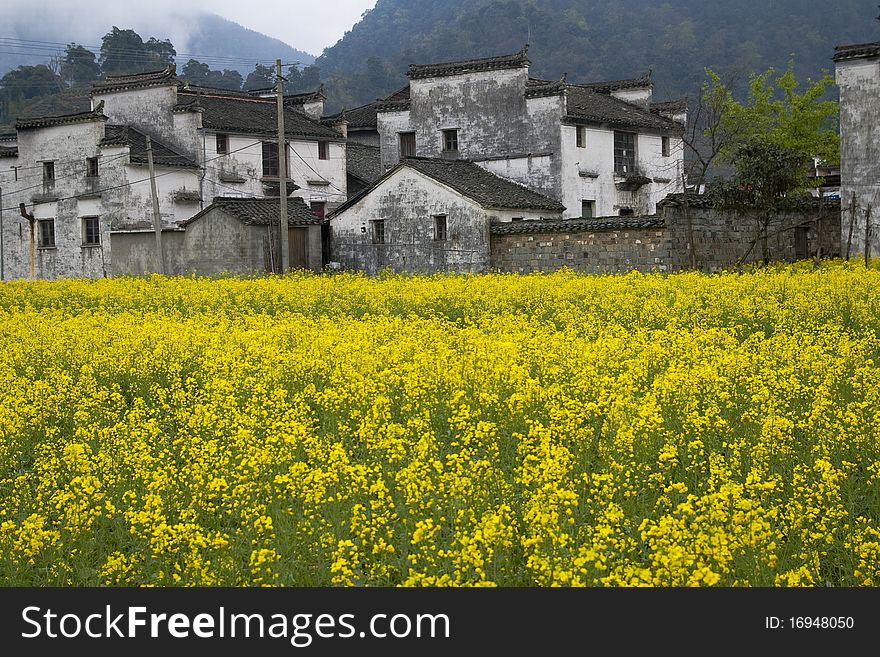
x: 29, y: 38
x: 596, y: 39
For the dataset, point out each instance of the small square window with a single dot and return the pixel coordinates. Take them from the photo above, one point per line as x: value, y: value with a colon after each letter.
x: 581, y: 136
x: 588, y: 209
x: 378, y: 226
x: 440, y: 228
x: 48, y: 174
x: 92, y: 167
x: 222, y: 144
x: 665, y: 146
x: 46, y: 233
x: 91, y: 231
x: 407, y: 144
x: 450, y: 140
x: 624, y: 153
x: 323, y: 150
x: 627, y: 212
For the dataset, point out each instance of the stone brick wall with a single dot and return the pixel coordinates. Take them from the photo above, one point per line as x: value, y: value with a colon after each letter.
x: 722, y: 238
x: 588, y: 245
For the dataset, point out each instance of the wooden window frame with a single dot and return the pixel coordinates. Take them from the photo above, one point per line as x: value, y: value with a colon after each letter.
x: 45, y: 233
x: 450, y: 140
x: 441, y: 228
x: 90, y: 224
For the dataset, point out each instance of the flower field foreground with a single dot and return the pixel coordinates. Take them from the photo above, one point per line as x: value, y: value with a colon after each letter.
x: 558, y: 429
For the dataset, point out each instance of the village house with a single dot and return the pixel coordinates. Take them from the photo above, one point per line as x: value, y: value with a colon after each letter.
x: 84, y: 181
x: 588, y: 150
x: 858, y: 78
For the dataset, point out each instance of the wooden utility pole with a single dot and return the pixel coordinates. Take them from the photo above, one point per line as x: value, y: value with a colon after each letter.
x: 33, y: 250
x: 282, y: 172
x: 157, y: 218
x: 867, y: 236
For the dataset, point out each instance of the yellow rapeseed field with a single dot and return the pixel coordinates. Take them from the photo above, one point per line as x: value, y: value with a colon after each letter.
x: 564, y: 429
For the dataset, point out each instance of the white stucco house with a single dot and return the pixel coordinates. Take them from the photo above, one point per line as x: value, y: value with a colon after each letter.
x: 857, y: 69
x: 83, y: 177
x: 595, y: 150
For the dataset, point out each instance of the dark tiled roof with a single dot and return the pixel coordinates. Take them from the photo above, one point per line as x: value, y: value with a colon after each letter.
x: 538, y: 88
x: 517, y: 60
x: 794, y: 203
x: 306, y: 97
x: 61, y: 119
x: 608, y: 86
x: 392, y: 105
x: 401, y: 94
x: 123, y: 135
x: 587, y: 105
x: 469, y: 180
x: 577, y: 225
x: 8, y: 151
x: 670, y: 106
x: 856, y: 51
x: 485, y: 188
x: 359, y: 118
x: 167, y: 76
x: 363, y: 161
x: 260, y: 211
x: 234, y: 113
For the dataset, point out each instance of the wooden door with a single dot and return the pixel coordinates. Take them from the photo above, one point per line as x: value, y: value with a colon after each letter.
x: 297, y: 243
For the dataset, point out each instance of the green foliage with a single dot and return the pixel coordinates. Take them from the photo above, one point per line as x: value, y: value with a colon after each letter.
x: 599, y: 40
x: 197, y: 73
x: 299, y: 81
x: 778, y: 113
x: 24, y: 85
x: 79, y: 65
x: 262, y: 77
x: 124, y: 51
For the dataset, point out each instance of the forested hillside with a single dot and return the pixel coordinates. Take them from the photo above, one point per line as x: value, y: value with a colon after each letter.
x: 596, y: 39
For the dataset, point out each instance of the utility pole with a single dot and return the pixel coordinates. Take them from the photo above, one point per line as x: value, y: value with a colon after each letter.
x: 33, y: 252
x: 157, y: 219
x: 282, y: 172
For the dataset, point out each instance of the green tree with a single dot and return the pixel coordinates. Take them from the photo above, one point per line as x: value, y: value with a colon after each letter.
x: 262, y: 77
x: 777, y: 113
x: 197, y: 73
x: 159, y: 53
x: 765, y: 173
x: 24, y: 85
x: 123, y: 51
x: 79, y: 65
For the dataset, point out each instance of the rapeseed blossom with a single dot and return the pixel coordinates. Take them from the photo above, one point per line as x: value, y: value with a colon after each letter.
x: 550, y: 430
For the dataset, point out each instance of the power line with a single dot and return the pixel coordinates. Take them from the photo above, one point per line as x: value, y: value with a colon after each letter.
x: 128, y: 184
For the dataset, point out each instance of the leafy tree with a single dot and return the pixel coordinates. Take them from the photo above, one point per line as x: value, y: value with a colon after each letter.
x: 79, y: 65
x: 299, y: 81
x: 765, y: 173
x: 123, y: 51
x: 768, y: 142
x: 262, y: 77
x: 24, y: 85
x: 197, y: 73
x: 159, y: 53
x: 777, y: 113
